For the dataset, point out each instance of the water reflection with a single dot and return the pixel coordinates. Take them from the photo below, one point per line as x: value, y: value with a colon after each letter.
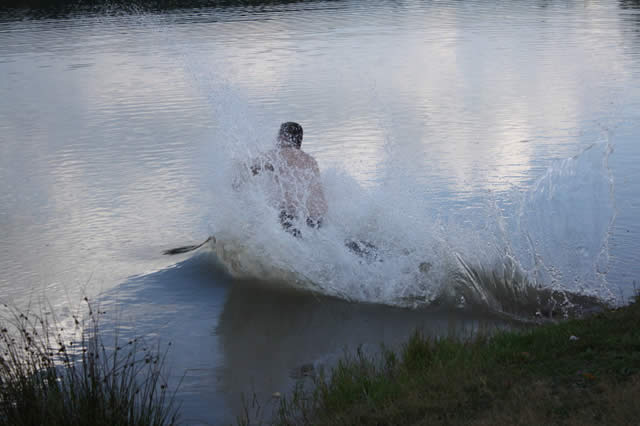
x: 270, y: 335
x: 182, y: 305
x: 631, y: 13
x: 56, y: 9
x: 234, y: 339
x: 629, y: 4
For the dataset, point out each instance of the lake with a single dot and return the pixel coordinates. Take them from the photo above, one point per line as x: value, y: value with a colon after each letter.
x: 482, y: 147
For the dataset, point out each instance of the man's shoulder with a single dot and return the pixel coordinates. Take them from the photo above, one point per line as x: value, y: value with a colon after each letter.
x: 311, y: 162
x: 292, y: 157
x: 308, y: 157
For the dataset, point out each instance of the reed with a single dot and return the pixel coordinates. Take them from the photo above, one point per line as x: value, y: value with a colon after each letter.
x: 56, y: 375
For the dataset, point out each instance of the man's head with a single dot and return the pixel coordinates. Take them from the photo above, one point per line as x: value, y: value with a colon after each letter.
x: 290, y: 135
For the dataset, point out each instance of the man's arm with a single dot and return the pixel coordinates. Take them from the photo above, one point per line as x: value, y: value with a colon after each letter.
x: 255, y: 166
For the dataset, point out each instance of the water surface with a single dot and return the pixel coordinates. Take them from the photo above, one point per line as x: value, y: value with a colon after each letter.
x: 494, y: 135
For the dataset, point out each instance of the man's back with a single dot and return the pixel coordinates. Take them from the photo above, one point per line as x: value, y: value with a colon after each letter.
x: 297, y: 185
x: 291, y: 180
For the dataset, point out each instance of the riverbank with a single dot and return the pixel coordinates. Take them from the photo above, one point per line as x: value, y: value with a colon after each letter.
x: 581, y: 371
x: 78, y: 373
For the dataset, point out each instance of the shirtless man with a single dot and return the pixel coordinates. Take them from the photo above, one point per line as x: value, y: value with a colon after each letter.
x: 293, y: 184
x: 296, y: 188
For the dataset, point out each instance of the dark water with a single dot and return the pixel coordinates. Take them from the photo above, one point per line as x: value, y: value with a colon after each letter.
x: 479, y: 136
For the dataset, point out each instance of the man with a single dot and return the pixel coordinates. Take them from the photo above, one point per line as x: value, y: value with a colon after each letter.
x: 295, y: 187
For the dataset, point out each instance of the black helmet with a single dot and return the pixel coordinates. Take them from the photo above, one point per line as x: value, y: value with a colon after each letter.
x: 290, y: 135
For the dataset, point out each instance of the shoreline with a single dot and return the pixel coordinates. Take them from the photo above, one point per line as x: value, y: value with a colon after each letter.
x: 578, y: 371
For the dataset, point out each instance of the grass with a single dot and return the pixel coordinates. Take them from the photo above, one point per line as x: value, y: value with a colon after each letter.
x: 581, y: 371
x: 539, y: 376
x: 54, y: 375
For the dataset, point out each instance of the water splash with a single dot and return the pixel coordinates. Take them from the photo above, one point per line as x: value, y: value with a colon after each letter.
x: 549, y: 253
x: 551, y: 256
x: 565, y: 221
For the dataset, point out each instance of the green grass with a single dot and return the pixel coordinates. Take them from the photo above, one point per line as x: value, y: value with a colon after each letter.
x: 67, y: 375
x: 540, y: 376
x: 56, y: 375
